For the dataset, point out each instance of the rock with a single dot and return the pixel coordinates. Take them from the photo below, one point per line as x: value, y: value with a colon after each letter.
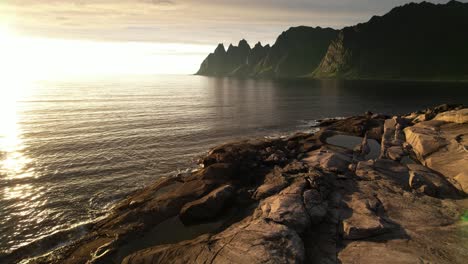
x: 274, y: 182
x: 425, y: 138
x: 286, y: 208
x: 393, y: 170
x: 295, y: 167
x: 364, y: 221
x: 359, y: 126
x: 277, y: 158
x: 315, y: 205
x: 363, y: 149
x: 440, y: 146
x: 329, y: 159
x: 430, y: 182
x: 455, y: 116
x: 217, y: 172
x: 257, y: 241
x: 396, y: 153
x: 393, y: 138
x: 207, y: 207
x: 365, y: 170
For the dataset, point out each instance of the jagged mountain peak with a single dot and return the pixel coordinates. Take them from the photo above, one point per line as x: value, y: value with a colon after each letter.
x: 220, y: 49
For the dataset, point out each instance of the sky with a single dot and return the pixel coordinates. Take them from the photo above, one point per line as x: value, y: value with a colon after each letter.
x: 73, y: 37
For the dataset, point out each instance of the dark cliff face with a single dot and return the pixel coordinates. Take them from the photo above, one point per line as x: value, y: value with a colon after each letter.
x: 296, y: 52
x: 223, y: 62
x: 414, y: 41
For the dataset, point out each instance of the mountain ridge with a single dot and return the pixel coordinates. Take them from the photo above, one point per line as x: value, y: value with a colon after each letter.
x: 421, y: 41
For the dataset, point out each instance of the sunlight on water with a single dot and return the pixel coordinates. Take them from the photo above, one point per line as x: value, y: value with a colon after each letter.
x: 14, y: 85
x: 12, y: 163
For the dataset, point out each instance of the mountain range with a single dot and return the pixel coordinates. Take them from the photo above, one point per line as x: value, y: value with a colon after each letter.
x: 423, y: 41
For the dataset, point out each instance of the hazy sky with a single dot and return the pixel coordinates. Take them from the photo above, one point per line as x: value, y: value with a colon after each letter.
x: 74, y: 37
x: 186, y: 21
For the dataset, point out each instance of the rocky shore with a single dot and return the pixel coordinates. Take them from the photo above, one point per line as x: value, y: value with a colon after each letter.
x: 303, y: 199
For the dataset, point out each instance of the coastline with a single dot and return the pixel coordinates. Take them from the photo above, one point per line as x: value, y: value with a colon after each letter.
x: 292, y: 189
x: 312, y: 78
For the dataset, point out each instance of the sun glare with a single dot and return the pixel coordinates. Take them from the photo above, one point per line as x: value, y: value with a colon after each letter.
x: 28, y: 58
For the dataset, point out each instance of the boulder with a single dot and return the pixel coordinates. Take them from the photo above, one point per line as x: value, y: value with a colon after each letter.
x: 286, y: 208
x: 331, y: 159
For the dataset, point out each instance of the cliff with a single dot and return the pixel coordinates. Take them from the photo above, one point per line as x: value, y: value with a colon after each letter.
x: 415, y: 41
x: 296, y: 52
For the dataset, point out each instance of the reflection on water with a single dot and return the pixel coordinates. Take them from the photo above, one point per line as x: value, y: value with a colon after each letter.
x: 13, y: 163
x: 70, y: 149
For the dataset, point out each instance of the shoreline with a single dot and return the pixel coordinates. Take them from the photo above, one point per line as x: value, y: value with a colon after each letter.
x: 289, y: 187
x: 309, y: 78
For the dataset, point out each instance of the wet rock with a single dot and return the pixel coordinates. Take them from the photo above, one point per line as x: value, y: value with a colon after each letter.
x: 207, y: 207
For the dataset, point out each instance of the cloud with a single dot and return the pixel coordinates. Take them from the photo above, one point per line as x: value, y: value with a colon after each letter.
x: 185, y: 21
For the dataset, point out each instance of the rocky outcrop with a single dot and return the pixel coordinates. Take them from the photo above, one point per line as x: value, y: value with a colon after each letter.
x: 298, y: 200
x: 440, y: 145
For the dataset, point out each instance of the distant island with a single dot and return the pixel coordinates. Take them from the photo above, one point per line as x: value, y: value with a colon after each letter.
x: 420, y: 41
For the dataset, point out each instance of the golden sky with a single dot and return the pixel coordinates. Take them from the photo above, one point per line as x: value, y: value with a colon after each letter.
x: 176, y: 32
